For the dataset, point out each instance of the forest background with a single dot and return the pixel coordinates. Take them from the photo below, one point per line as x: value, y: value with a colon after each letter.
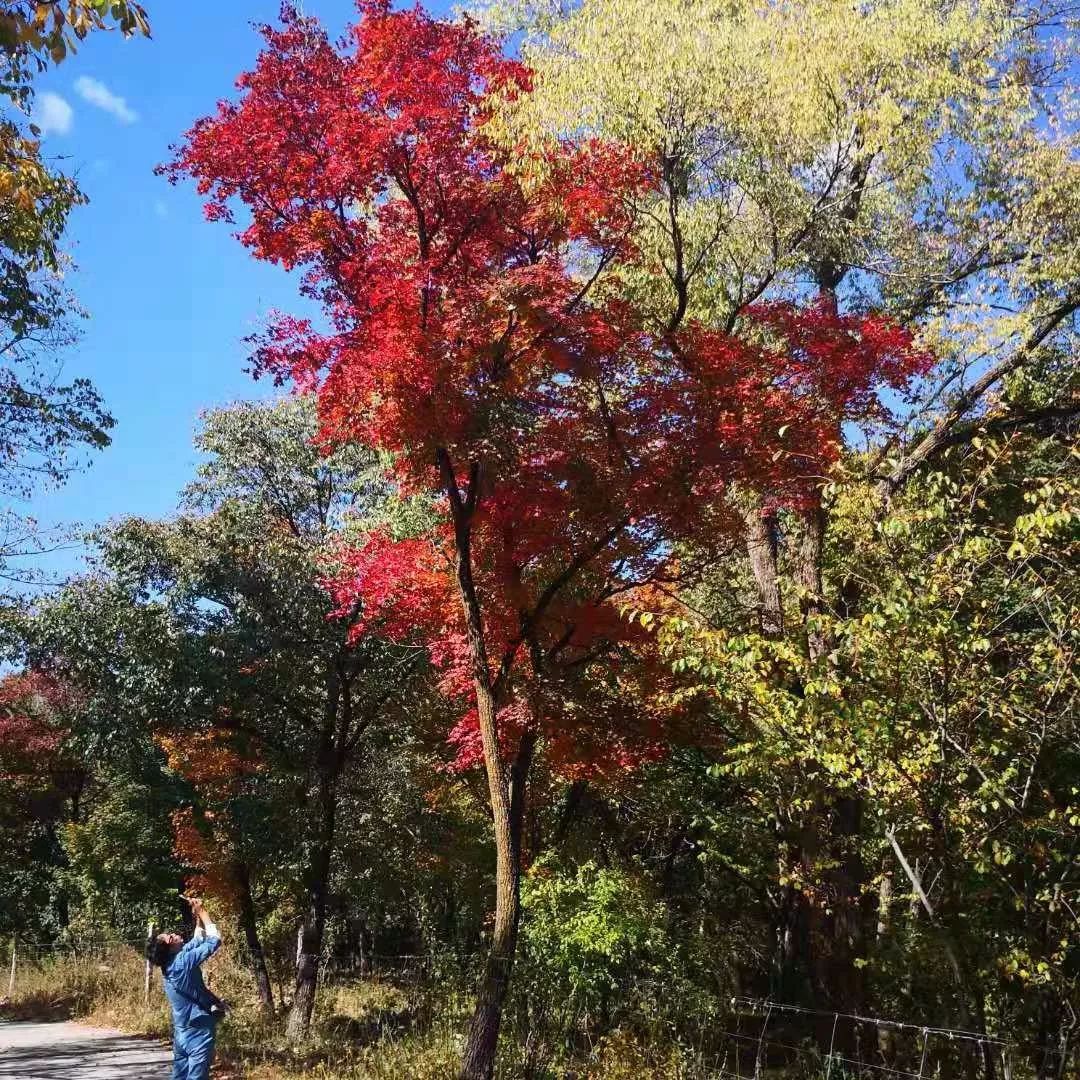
x: 640, y: 640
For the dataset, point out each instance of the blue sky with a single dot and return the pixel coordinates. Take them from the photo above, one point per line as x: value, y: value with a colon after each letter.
x: 170, y: 296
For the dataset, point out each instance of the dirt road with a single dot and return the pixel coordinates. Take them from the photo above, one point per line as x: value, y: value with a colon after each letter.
x: 64, y: 1051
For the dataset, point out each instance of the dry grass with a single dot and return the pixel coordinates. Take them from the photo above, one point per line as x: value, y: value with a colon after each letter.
x: 367, y: 1031
x: 104, y: 990
x: 371, y: 1030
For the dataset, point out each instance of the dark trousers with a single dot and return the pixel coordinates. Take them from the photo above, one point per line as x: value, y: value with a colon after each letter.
x: 193, y: 1050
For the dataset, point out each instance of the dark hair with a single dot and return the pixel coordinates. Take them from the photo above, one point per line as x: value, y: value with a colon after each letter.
x: 159, y: 952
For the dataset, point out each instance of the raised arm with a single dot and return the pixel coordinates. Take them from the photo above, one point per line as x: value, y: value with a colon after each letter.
x: 206, y: 940
x: 205, y: 928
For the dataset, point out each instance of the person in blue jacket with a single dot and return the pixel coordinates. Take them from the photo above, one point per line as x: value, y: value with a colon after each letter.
x: 195, y: 1011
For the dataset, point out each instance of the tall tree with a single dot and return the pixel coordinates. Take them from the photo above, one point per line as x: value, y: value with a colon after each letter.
x: 268, y: 701
x: 477, y: 338
x: 902, y: 171
x: 34, y: 802
x: 94, y: 819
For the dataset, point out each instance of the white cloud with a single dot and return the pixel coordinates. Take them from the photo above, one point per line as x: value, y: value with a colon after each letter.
x: 161, y: 208
x: 97, y: 93
x: 52, y: 114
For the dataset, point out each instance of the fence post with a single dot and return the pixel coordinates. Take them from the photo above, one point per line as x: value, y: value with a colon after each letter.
x: 759, y: 1059
x: 148, y: 973
x: 11, y: 977
x: 832, y: 1043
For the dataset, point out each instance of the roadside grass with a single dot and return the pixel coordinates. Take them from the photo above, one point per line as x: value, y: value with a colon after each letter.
x: 370, y: 1029
x: 106, y: 990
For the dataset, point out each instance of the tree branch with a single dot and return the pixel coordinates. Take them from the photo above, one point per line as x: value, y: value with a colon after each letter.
x: 939, y: 435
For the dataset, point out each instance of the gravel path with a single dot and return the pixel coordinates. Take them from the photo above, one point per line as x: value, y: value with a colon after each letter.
x: 63, y: 1051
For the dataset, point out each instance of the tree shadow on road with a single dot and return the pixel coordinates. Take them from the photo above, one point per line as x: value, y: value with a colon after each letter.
x: 110, y: 1057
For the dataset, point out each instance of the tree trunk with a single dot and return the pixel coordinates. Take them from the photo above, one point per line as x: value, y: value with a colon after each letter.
x: 506, y: 789
x: 366, y: 941
x: 791, y: 927
x: 761, y: 548
x: 251, y: 936
x: 811, y: 549
x: 885, y: 1035
x: 575, y: 796
x: 839, y: 931
x: 311, y: 938
x: 850, y: 911
x: 478, y: 1060
x: 1050, y: 1057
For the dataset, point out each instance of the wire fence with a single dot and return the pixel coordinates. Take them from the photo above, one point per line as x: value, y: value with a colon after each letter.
x: 753, y: 1038
x: 777, y: 1037
x: 760, y: 1038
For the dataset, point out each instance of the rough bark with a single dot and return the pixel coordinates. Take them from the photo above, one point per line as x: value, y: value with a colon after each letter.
x: 506, y: 790
x: 575, y: 797
x: 810, y: 552
x: 839, y: 933
x: 761, y: 544
x: 846, y: 924
x: 314, y: 928
x: 250, y: 929
x: 791, y: 927
x: 478, y: 1059
x: 885, y: 1036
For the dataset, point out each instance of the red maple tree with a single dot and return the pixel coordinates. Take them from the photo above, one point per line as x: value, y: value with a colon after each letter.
x: 41, y: 779
x: 205, y: 834
x: 212, y: 834
x: 476, y: 332
x: 32, y: 730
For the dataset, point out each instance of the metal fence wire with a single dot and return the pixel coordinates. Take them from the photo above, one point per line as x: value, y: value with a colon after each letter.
x: 779, y: 1039
x: 754, y: 1039
x: 761, y: 1039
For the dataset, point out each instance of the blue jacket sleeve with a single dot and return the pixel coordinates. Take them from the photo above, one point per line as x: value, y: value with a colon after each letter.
x: 195, y: 952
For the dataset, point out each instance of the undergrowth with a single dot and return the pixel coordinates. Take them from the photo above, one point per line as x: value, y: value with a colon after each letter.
x: 372, y: 1029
